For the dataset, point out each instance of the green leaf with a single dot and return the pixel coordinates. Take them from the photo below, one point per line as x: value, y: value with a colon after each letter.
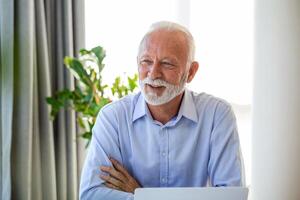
x: 77, y: 70
x: 80, y: 122
x: 53, y: 102
x: 92, y: 109
x: 93, y: 76
x: 132, y: 83
x: 84, y: 52
x: 87, y: 135
x: 80, y: 108
x: 55, y: 105
x: 77, y: 93
x: 65, y: 94
x: 100, y: 55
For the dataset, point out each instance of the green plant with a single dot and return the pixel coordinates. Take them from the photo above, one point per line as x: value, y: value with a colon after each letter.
x: 90, y: 93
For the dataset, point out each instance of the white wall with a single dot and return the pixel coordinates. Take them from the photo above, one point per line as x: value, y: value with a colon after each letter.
x: 276, y: 105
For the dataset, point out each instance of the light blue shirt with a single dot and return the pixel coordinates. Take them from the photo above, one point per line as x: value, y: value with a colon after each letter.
x: 198, y: 146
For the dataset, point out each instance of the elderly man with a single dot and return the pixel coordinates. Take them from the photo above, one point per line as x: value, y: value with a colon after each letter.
x: 166, y: 135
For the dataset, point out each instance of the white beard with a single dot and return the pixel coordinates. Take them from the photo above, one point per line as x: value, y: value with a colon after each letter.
x: 169, y: 93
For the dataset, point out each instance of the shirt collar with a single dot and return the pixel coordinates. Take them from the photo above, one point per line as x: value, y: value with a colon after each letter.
x: 139, y: 108
x: 187, y: 107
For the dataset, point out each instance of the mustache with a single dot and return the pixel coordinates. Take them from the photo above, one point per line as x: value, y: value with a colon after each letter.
x: 156, y: 82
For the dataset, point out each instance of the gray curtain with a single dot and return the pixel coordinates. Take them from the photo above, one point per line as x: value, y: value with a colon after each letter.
x: 39, y: 157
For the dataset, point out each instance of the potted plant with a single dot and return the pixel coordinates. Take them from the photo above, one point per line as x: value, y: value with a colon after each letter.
x: 90, y: 93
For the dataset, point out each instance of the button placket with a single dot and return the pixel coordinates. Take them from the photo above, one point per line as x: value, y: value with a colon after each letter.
x: 164, y: 158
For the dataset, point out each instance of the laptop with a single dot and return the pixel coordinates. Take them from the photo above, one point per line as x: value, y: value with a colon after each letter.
x: 192, y: 193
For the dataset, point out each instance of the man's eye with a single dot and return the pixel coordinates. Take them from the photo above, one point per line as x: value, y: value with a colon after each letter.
x: 167, y: 64
x: 146, y: 62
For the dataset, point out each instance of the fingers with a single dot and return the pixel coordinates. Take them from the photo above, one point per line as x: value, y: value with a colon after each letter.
x: 109, y: 185
x: 118, y: 177
x: 112, y: 181
x: 119, y: 167
x: 114, y: 173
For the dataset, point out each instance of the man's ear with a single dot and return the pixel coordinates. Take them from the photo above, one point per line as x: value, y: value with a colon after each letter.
x: 192, y: 71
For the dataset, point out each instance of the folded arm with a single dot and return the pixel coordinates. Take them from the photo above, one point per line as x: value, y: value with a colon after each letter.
x: 104, y: 145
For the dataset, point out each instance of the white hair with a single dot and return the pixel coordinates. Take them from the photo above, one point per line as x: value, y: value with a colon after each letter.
x: 171, y: 26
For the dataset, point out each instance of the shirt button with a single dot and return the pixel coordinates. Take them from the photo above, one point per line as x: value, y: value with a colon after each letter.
x: 163, y: 154
x: 163, y: 180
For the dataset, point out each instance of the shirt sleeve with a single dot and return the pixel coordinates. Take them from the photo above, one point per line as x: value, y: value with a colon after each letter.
x: 104, y: 144
x: 225, y: 167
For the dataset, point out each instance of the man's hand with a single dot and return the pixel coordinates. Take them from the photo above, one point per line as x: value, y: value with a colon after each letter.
x: 118, y: 177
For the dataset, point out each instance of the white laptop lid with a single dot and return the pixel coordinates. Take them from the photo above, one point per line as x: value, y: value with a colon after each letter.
x: 193, y: 193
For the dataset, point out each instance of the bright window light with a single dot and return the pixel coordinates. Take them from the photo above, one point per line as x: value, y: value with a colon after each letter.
x: 223, y: 31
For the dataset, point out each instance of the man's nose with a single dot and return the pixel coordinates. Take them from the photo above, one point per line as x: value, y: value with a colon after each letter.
x: 155, y: 71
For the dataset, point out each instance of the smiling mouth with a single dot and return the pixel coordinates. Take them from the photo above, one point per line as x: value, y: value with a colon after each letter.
x: 155, y: 86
